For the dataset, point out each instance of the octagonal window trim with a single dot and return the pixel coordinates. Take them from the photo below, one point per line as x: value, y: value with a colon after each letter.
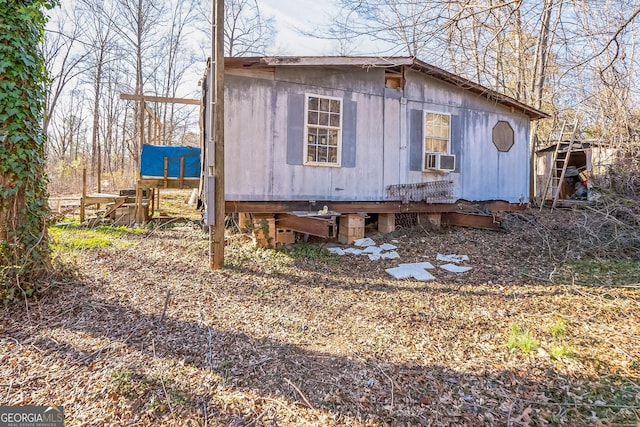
x: 503, y: 136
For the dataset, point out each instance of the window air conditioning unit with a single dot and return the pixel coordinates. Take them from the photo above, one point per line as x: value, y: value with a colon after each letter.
x: 440, y: 162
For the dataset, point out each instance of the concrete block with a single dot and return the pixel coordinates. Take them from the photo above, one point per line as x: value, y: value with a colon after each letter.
x: 285, y: 236
x: 386, y: 222
x: 351, y: 221
x: 264, y: 230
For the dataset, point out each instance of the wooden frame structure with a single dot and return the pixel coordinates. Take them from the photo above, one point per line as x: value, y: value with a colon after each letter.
x: 166, y: 181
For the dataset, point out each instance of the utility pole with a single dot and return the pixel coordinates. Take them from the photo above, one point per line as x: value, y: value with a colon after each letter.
x: 216, y: 256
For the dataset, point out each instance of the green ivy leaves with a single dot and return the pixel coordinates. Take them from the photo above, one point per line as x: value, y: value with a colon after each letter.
x: 24, y: 249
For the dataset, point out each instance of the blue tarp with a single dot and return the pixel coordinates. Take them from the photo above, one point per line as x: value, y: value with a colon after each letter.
x: 152, y: 161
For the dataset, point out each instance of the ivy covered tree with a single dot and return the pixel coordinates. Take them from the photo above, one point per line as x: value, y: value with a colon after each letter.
x: 24, y: 246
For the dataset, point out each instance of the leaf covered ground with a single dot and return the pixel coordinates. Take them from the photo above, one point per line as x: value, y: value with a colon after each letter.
x: 141, y: 332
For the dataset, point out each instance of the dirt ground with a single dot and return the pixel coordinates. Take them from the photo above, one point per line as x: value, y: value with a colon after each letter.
x: 141, y: 332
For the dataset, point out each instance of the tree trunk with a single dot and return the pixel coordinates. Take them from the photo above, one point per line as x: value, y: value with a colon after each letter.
x: 540, y: 61
x: 95, y: 143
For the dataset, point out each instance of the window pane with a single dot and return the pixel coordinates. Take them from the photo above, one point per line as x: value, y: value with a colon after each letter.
x: 333, y: 138
x: 312, y: 118
x: 435, y: 145
x: 324, y: 104
x: 334, y: 120
x: 313, y: 103
x: 335, y: 106
x: 333, y: 154
x: 324, y: 119
x: 322, y: 154
x: 445, y: 131
x: 428, y: 144
x: 311, y: 154
x: 429, y: 129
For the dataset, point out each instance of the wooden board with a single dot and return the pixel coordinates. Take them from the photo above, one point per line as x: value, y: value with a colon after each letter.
x: 321, y: 227
x: 169, y: 183
x: 471, y: 220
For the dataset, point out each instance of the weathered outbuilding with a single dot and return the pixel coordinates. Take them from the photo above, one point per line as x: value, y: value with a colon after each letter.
x: 591, y: 160
x: 366, y: 134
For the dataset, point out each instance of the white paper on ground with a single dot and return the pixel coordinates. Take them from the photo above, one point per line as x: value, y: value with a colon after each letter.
x: 405, y: 272
x: 423, y: 265
x: 372, y: 250
x: 401, y: 272
x: 353, y: 251
x: 452, y: 258
x: 388, y: 247
x: 455, y: 268
x: 364, y: 242
x: 423, y: 276
x: 390, y: 255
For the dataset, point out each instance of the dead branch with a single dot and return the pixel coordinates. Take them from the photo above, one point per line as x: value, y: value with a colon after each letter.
x: 164, y: 309
x: 300, y: 393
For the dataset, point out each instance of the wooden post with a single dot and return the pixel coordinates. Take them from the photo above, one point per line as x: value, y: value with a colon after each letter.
x: 139, y: 212
x: 181, y: 177
x: 158, y: 132
x: 166, y: 171
x: 217, y: 258
x: 152, y: 203
x: 149, y: 128
x: 141, y: 107
x: 84, y: 194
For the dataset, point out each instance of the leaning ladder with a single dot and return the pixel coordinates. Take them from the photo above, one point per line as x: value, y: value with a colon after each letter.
x: 557, y: 173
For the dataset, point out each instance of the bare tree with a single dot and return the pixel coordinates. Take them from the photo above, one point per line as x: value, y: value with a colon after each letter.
x: 67, y: 134
x: 139, y: 23
x: 64, y: 57
x: 246, y: 31
x: 177, y: 61
x: 399, y: 26
x: 99, y: 35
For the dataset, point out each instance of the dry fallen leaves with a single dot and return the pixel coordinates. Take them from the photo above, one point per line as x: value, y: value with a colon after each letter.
x: 281, y: 340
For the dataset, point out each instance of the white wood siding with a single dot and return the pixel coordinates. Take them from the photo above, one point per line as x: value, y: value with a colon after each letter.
x: 264, y: 138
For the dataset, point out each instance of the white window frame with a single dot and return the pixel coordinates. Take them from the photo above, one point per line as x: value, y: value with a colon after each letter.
x: 308, y: 126
x: 424, y: 138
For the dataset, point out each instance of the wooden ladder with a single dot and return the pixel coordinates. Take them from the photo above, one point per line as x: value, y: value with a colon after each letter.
x: 560, y: 161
